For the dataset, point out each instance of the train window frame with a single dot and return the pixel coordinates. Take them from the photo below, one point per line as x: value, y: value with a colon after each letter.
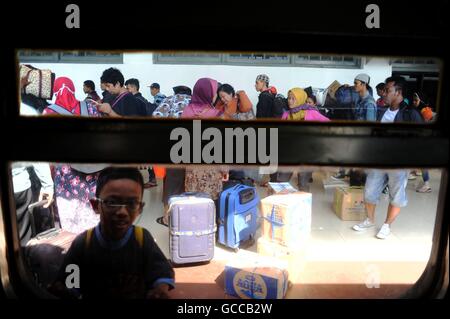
x: 62, y: 57
x: 250, y: 59
x: 356, y: 63
x: 415, y: 65
x: 433, y: 139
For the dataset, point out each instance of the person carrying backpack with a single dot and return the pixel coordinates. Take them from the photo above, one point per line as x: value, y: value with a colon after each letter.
x: 116, y: 259
x: 66, y: 103
x: 270, y: 104
x: 236, y: 105
x: 133, y: 87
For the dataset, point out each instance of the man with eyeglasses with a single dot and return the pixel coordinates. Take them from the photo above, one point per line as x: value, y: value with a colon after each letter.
x: 396, y: 180
x: 117, y: 259
x: 125, y: 103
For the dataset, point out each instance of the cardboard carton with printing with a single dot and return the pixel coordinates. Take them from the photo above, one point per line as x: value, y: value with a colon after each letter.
x: 281, y: 188
x: 286, y: 218
x: 349, y: 204
x: 295, y: 257
x: 251, y: 276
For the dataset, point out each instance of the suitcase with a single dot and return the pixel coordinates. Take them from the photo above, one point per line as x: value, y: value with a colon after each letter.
x: 46, y: 251
x: 192, y: 226
x: 238, y: 212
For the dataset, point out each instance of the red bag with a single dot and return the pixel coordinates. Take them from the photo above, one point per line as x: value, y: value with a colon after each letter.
x: 427, y: 113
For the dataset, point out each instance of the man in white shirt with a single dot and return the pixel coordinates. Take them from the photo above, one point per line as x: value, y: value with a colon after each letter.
x: 397, y: 110
x: 396, y: 180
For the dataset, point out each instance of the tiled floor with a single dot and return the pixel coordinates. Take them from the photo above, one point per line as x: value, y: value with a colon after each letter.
x: 338, y: 261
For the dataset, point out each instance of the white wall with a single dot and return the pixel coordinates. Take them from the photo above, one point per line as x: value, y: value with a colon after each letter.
x: 140, y: 66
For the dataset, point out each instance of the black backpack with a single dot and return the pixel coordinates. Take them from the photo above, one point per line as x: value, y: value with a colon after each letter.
x: 280, y: 105
x: 281, y: 177
x: 357, y: 177
x: 149, y: 107
x: 238, y: 177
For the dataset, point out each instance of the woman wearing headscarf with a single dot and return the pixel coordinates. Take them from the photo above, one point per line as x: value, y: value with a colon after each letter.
x: 300, y: 110
x: 209, y: 180
x: 203, y: 180
x: 74, y: 184
x: 202, y: 101
x: 66, y: 102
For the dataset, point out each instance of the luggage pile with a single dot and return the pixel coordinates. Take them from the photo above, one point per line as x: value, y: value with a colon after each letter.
x: 285, y: 217
x: 286, y: 226
x: 337, y: 101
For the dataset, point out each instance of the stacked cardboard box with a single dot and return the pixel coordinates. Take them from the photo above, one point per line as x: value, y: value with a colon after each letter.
x: 287, y: 218
x: 285, y: 229
x: 348, y: 203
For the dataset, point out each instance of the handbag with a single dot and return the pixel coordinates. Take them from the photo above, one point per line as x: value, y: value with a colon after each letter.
x: 40, y: 81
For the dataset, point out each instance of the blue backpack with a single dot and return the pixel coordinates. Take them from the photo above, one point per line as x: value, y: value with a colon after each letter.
x: 346, y: 95
x: 344, y: 107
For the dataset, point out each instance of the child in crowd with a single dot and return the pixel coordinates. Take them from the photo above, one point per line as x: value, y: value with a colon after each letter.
x: 116, y: 259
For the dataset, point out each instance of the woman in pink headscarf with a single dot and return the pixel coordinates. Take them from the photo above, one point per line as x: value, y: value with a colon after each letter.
x: 202, y: 101
x: 209, y: 180
x: 66, y: 103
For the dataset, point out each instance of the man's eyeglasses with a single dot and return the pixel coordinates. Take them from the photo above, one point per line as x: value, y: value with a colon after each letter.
x: 114, y: 205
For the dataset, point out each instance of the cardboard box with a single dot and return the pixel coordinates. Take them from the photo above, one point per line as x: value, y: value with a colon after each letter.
x: 348, y: 203
x: 295, y: 258
x: 251, y: 276
x: 286, y: 218
x: 332, y: 88
x: 283, y: 188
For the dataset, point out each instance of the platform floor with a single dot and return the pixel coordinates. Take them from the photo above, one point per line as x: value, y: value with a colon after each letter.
x: 338, y: 261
